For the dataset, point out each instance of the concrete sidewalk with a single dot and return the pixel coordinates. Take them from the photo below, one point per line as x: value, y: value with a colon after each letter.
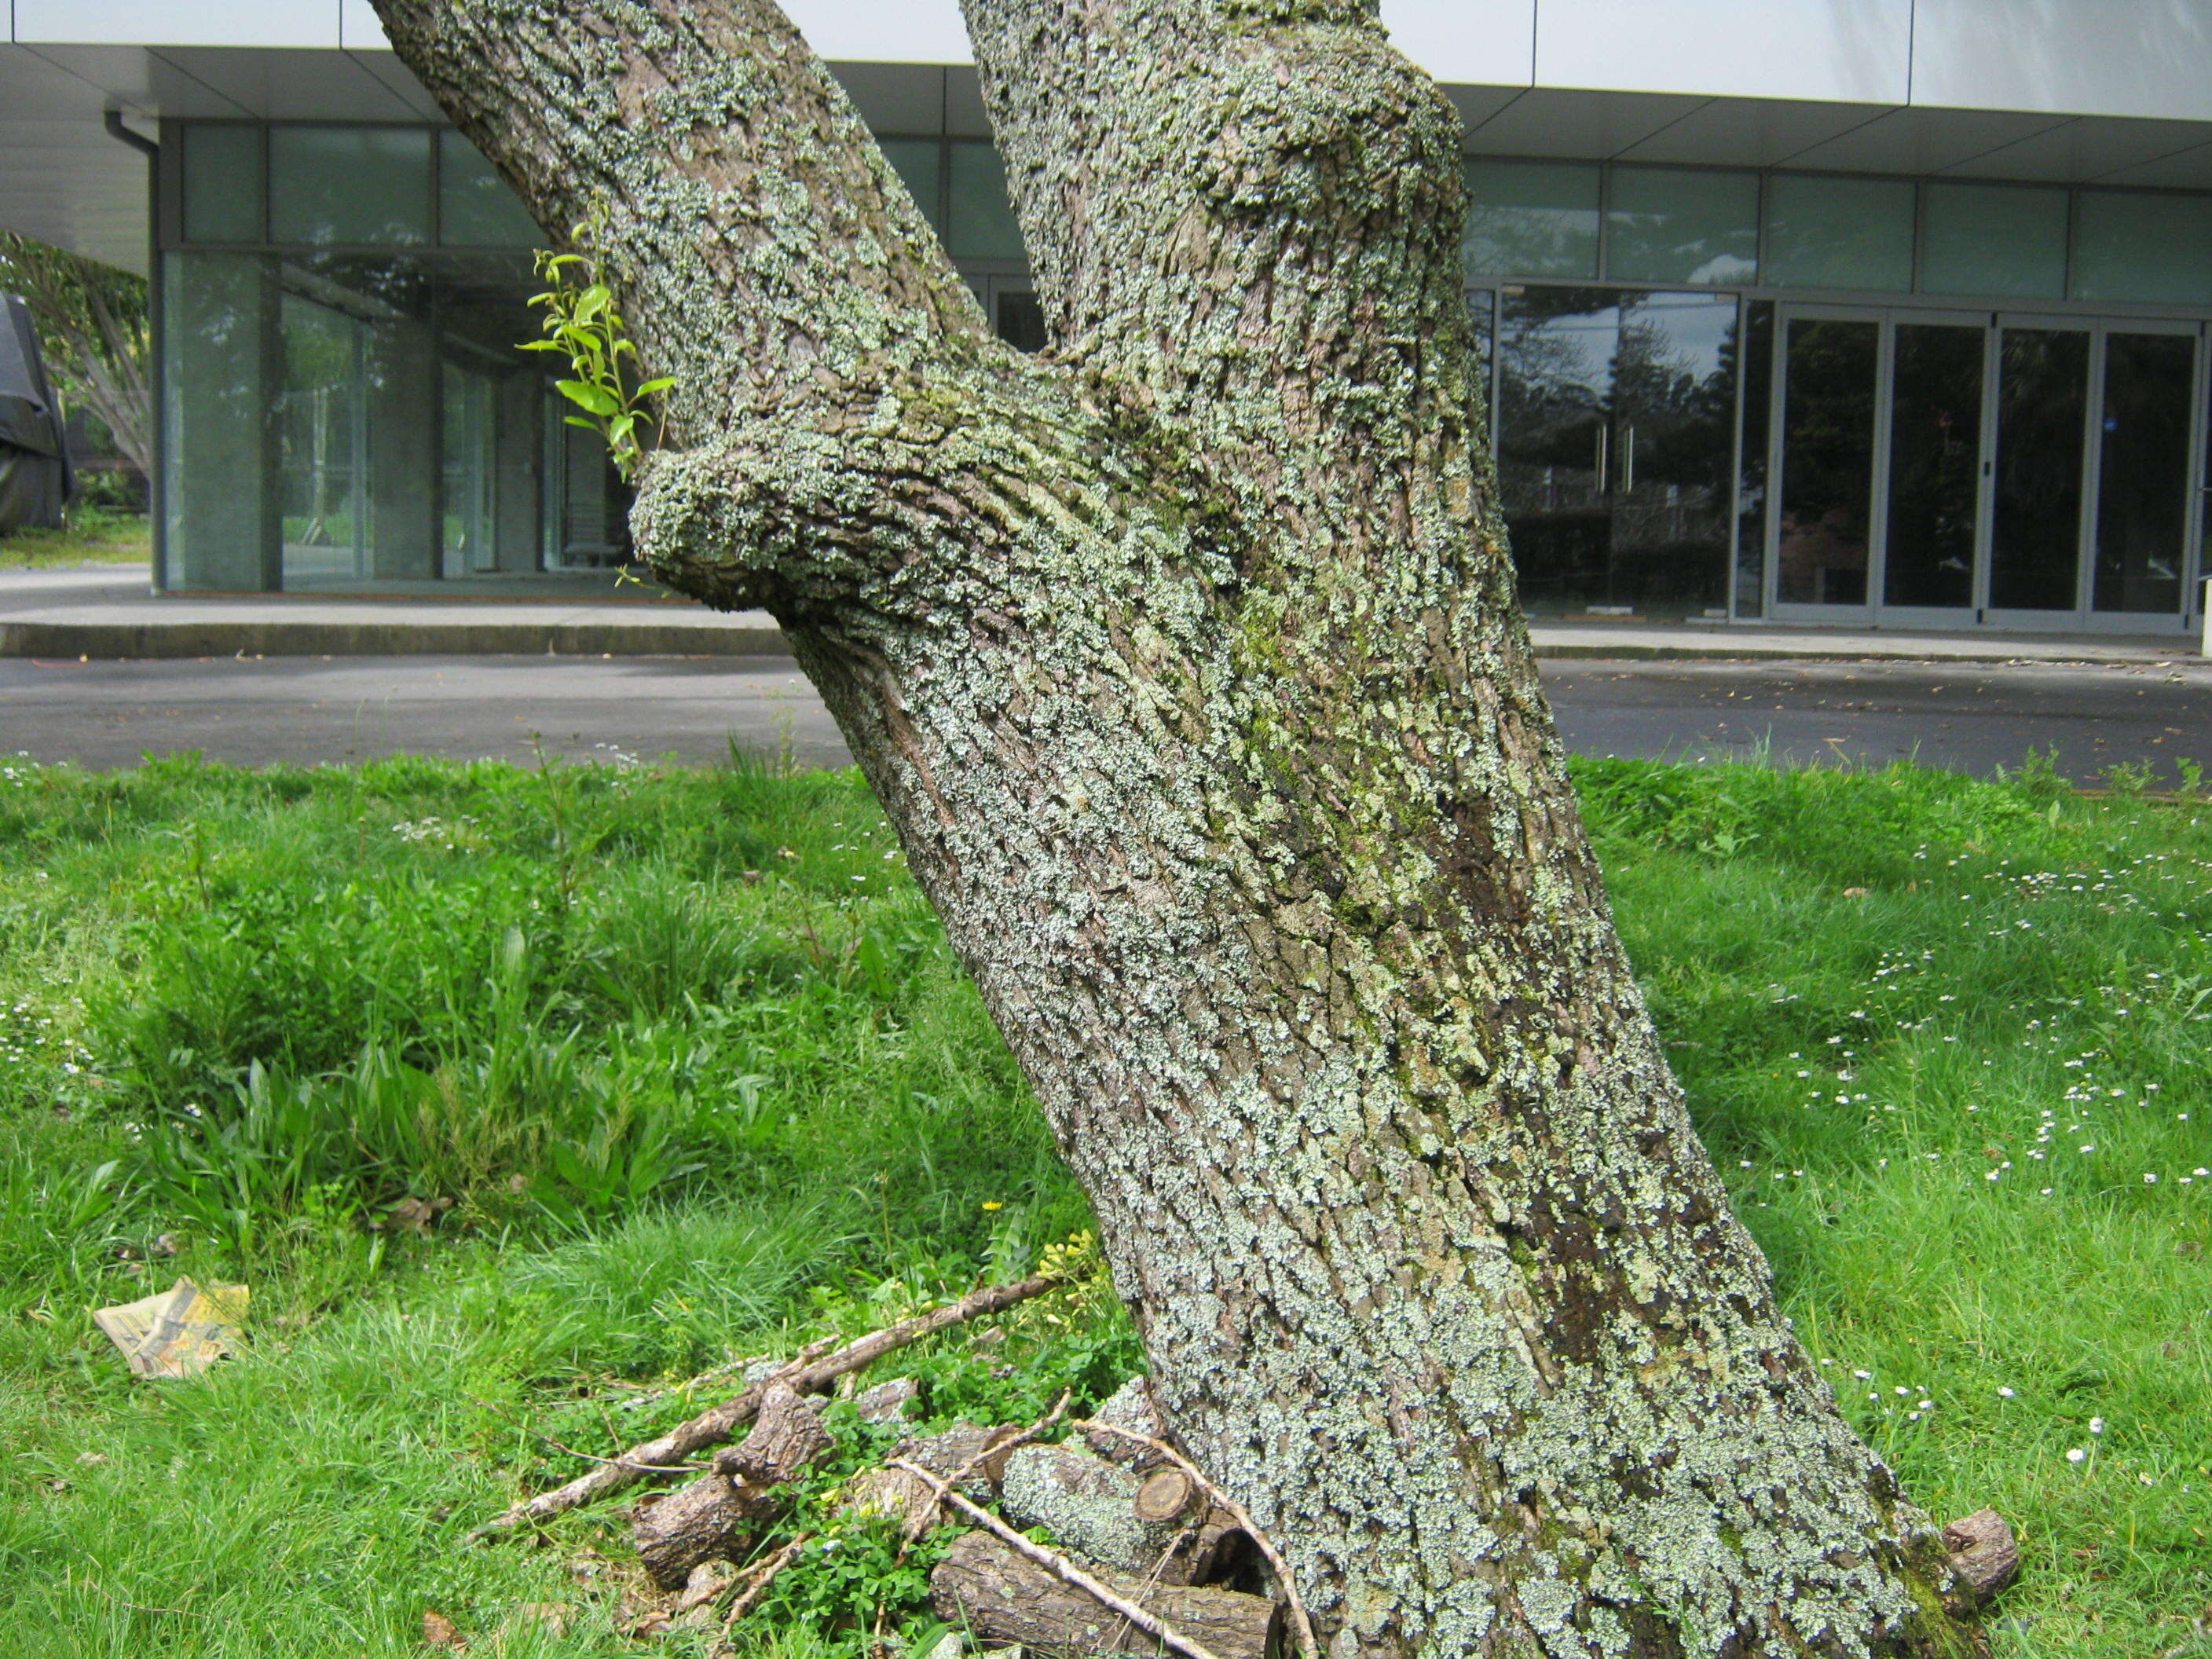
x: 108, y: 612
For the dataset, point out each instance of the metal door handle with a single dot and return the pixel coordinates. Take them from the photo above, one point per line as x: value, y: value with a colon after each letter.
x: 1628, y: 462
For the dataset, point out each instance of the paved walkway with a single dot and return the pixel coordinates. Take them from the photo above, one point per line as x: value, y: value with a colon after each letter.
x: 109, y: 611
x: 254, y: 711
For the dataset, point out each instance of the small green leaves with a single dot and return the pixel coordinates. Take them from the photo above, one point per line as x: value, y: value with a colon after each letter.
x: 582, y: 324
x: 593, y: 398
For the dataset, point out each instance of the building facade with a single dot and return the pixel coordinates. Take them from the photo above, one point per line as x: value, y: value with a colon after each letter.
x: 1877, y: 312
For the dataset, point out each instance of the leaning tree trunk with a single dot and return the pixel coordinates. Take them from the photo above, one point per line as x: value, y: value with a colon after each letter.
x: 1186, y: 661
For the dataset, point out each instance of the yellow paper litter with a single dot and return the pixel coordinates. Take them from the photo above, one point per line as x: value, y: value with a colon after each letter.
x: 179, y: 1333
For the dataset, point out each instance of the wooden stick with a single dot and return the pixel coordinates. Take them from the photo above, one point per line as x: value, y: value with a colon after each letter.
x: 1062, y: 1568
x: 1308, y: 1647
x: 750, y: 1596
x: 812, y: 1372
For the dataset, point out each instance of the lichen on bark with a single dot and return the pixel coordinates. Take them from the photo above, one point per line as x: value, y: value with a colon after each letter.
x: 1186, y: 661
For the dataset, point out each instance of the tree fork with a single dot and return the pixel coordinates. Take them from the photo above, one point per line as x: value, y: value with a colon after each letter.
x: 1187, y: 664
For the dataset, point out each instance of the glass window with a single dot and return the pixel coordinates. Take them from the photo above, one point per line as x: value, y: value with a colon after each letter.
x: 1751, y: 481
x: 349, y: 185
x: 1995, y: 239
x: 1614, y: 440
x: 1839, y: 233
x: 1482, y: 316
x: 1664, y: 225
x: 982, y: 219
x: 475, y: 207
x: 914, y: 160
x: 2135, y: 246
x: 222, y: 184
x: 1531, y: 219
x: 2043, y: 392
x: 1823, y: 530
x: 2142, y: 488
x: 215, y: 393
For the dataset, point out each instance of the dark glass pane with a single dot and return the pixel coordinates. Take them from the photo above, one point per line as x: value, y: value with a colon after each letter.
x: 469, y: 481
x: 217, y: 383
x: 322, y: 444
x: 475, y: 207
x: 1677, y: 225
x: 349, y: 184
x: 1673, y: 415
x: 1556, y: 349
x: 982, y: 224
x: 1827, y: 462
x: 1531, y: 219
x: 2043, y: 380
x: 1839, y: 233
x: 2143, y: 492
x: 1758, y: 353
x: 1934, y: 458
x: 1021, y: 321
x: 222, y: 183
x: 1615, y: 416
x: 1482, y: 320
x: 915, y: 161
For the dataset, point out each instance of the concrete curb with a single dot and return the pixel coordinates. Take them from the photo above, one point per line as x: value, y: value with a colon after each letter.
x: 1812, y: 651
x: 289, y: 637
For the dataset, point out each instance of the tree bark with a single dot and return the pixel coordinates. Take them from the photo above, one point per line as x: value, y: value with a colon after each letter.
x: 1186, y: 661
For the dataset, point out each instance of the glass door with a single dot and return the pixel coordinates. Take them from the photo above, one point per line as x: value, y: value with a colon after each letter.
x: 1555, y: 349
x: 1931, y: 520
x: 2146, y: 445
x: 1824, y: 461
x: 469, y: 437
x: 1615, y: 444
x: 2039, y: 485
x: 322, y: 427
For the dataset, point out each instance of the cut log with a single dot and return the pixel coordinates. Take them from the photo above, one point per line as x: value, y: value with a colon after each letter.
x: 1166, y: 1495
x: 1097, y: 1509
x: 709, y: 1518
x: 1004, y: 1597
x: 973, y: 1459
x: 1129, y: 1408
x: 786, y: 1437
x: 1983, y: 1556
x: 718, y: 1514
x: 887, y: 1402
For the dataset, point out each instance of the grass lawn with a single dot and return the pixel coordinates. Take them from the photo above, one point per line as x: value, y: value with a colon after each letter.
x: 688, y: 1055
x: 95, y: 535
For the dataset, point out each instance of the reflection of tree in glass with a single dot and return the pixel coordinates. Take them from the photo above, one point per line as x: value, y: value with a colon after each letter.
x: 2042, y: 400
x: 1827, y: 462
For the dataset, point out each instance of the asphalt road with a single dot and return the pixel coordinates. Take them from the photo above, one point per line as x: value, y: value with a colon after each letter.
x: 1970, y: 717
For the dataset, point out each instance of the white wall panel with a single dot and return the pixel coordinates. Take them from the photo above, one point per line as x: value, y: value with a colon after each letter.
x: 882, y: 31
x: 1483, y: 43
x: 1855, y: 51
x: 360, y: 29
x: 1480, y: 42
x: 2148, y: 58
x: 179, y: 23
